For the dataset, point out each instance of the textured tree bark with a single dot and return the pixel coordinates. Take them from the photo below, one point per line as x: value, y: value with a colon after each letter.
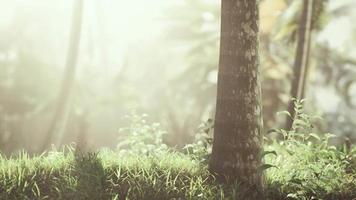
x: 59, y: 120
x: 300, y: 70
x: 238, y: 138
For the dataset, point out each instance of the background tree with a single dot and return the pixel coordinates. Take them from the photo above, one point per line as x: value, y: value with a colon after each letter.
x: 238, y: 137
x: 59, y: 121
x: 302, y: 58
x: 186, y: 32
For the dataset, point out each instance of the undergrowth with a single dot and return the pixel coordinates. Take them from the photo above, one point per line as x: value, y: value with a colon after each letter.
x: 307, y: 165
x: 303, y: 165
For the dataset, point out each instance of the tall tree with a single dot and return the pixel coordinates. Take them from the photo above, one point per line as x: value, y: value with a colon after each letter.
x: 59, y: 120
x: 300, y: 70
x: 237, y: 145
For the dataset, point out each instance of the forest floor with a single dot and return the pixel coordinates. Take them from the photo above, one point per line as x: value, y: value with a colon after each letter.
x: 306, y: 172
x: 300, y: 165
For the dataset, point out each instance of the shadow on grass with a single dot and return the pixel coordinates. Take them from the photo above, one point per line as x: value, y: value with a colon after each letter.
x: 90, y: 175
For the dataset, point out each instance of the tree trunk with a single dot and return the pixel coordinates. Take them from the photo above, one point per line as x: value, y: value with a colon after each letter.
x: 59, y: 120
x: 300, y: 70
x: 238, y: 138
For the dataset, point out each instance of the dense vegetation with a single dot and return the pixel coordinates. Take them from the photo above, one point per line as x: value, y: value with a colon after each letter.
x: 302, y: 165
x: 67, y: 82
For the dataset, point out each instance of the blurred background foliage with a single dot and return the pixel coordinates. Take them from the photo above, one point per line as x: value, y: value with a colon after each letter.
x: 161, y: 59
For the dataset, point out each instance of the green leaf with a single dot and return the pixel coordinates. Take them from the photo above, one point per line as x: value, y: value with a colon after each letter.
x: 285, y: 113
x: 296, y: 181
x: 329, y: 135
x: 292, y: 195
x: 265, y: 167
x: 314, y: 135
x: 268, y: 152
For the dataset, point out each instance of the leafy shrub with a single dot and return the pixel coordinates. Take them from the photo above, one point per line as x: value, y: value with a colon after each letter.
x: 201, y: 148
x: 140, y: 137
x: 308, y: 166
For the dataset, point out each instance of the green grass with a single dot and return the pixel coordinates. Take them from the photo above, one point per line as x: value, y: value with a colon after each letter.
x: 302, y: 165
x: 303, y: 174
x: 106, y: 175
